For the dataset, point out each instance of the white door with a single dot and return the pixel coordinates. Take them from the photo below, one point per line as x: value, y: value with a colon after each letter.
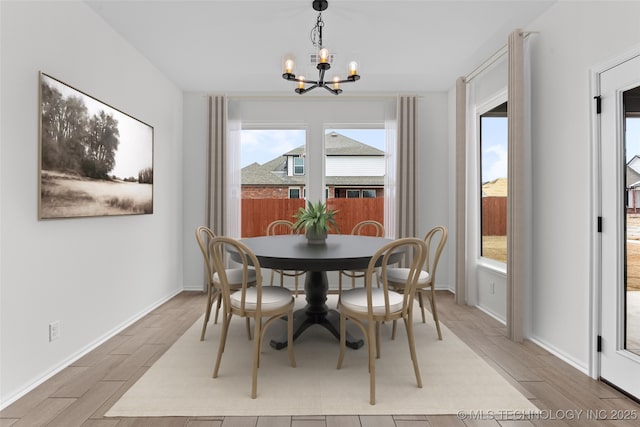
x: 620, y: 302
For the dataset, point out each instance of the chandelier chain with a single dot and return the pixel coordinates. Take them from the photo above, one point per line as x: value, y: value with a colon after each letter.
x: 316, y: 32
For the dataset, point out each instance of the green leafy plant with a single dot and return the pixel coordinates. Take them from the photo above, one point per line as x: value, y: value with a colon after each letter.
x: 315, y: 217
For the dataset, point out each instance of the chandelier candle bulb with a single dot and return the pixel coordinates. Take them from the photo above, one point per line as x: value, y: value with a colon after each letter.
x: 336, y: 82
x: 324, y: 55
x: 353, y: 68
x: 288, y: 66
x: 300, y: 82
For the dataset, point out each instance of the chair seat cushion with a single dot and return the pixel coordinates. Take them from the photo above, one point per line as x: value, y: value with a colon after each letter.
x: 234, y: 276
x: 356, y: 300
x: 273, y: 297
x: 400, y: 275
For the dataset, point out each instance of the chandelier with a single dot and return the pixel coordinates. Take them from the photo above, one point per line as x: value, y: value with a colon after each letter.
x: 323, y: 60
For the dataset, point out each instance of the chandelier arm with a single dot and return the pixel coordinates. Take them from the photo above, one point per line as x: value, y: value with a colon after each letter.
x: 333, y: 91
x: 323, y: 64
x: 301, y: 91
x: 349, y: 79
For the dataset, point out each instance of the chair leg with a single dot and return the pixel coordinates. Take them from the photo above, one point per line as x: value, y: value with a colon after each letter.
x: 248, y: 322
x: 339, y: 287
x: 408, y: 322
x: 215, y: 319
x: 207, y: 313
x: 256, y: 357
x: 292, y: 358
x: 223, y: 340
x: 393, y: 329
x: 372, y: 365
x: 378, y: 339
x: 434, y: 312
x: 295, y: 281
x: 271, y: 279
x: 421, y: 302
x: 343, y: 339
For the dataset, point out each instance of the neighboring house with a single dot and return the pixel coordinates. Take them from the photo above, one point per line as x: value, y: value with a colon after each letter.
x: 495, y: 188
x: 353, y: 170
x: 632, y: 184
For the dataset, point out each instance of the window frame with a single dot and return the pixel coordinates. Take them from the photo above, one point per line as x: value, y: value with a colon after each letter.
x: 482, y: 110
x: 296, y: 166
x: 291, y: 189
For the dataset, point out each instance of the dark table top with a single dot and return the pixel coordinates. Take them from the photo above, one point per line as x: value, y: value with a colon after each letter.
x: 292, y: 252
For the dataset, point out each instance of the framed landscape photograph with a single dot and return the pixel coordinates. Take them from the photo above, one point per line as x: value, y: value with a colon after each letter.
x: 94, y: 159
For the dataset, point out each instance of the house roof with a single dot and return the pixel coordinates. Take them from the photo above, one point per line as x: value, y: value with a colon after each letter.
x: 336, y: 144
x: 496, y: 188
x: 274, y: 172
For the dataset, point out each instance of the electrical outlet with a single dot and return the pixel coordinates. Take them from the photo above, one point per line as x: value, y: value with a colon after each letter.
x: 54, y: 330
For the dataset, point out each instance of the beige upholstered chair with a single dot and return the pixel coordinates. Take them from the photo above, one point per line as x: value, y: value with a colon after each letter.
x: 368, y: 228
x: 427, y: 279
x: 279, y: 227
x: 369, y: 306
x: 203, y: 237
x: 255, y: 302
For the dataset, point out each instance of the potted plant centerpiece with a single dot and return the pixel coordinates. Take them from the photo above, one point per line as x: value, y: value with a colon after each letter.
x: 316, y: 219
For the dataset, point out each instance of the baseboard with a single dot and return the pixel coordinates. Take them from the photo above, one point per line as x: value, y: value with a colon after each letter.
x: 90, y: 347
x: 560, y: 354
x: 491, y: 314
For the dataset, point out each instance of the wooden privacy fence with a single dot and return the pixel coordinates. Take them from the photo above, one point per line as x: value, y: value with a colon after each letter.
x: 494, y: 216
x: 258, y: 213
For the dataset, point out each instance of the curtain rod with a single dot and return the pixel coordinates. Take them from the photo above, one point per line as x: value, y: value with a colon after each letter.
x: 493, y: 59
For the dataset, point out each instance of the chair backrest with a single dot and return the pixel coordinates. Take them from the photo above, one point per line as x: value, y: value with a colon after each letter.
x: 203, y: 237
x: 414, y: 252
x: 436, y: 234
x: 218, y: 248
x: 368, y: 228
x: 281, y: 226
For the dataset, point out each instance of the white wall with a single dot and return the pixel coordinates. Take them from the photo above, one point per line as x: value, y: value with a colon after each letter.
x: 354, y: 166
x: 574, y: 36
x: 93, y: 274
x: 433, y: 152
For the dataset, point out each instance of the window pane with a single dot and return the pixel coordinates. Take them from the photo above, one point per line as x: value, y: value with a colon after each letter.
x: 271, y: 188
x: 355, y: 168
x: 631, y: 100
x: 298, y: 165
x: 493, y: 166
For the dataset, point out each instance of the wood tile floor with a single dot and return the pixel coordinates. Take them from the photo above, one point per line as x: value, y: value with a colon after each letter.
x: 80, y: 394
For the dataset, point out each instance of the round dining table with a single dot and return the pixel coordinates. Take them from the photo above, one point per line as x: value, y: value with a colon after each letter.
x: 292, y: 252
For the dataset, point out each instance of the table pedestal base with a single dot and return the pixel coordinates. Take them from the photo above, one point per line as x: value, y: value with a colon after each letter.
x: 316, y: 312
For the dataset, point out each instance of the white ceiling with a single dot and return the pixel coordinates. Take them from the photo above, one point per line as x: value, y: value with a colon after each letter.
x: 238, y: 46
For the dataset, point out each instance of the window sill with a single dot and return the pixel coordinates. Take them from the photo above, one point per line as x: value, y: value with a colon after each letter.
x: 493, y: 266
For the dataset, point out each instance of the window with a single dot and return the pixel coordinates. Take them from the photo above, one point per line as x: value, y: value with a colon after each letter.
x: 298, y: 165
x: 493, y: 179
x: 355, y: 170
x: 270, y: 186
x: 294, y: 193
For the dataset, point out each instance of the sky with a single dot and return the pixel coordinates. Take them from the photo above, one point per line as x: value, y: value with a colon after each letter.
x: 135, y: 151
x: 262, y: 146
x: 494, y: 148
x: 632, y: 138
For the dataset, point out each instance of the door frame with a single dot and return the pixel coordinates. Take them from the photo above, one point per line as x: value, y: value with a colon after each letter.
x: 595, y: 257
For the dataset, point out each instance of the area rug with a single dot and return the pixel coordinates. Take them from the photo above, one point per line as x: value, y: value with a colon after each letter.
x: 454, y: 377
